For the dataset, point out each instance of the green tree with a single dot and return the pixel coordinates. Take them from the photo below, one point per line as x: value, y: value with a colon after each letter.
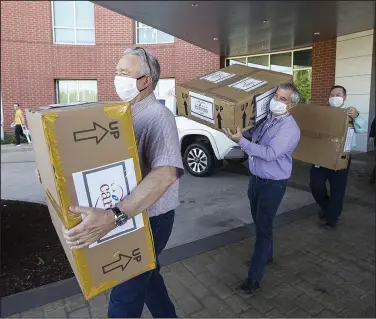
x: 303, y: 81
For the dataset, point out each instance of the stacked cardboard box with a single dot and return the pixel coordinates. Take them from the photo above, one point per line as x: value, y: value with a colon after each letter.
x: 87, y: 156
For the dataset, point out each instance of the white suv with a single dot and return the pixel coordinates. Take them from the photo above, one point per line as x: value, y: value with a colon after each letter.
x: 202, y: 147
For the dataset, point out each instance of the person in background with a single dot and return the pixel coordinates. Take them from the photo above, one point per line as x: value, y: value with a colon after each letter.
x: 372, y: 141
x: 331, y: 206
x: 19, y: 123
x: 269, y: 146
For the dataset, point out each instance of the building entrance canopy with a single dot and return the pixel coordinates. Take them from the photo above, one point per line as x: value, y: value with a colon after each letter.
x: 235, y: 28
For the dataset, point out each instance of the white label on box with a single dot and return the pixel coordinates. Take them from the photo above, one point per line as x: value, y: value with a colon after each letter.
x: 349, y: 138
x: 202, y: 107
x: 104, y: 187
x: 248, y: 84
x: 262, y: 104
x: 217, y: 77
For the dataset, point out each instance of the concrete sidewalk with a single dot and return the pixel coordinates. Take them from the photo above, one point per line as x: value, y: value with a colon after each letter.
x: 223, y: 195
x: 316, y: 273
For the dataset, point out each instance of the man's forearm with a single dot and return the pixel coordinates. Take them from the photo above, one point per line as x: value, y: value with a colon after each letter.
x: 150, y: 190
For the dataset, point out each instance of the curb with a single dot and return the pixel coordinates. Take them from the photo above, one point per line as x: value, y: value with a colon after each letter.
x: 46, y: 294
x: 13, y: 149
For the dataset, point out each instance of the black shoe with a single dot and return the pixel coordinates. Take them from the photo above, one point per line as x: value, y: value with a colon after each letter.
x: 249, y: 262
x: 329, y: 226
x: 249, y: 287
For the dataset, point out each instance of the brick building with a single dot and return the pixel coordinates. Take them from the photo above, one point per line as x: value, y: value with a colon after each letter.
x: 54, y: 52
x: 35, y: 64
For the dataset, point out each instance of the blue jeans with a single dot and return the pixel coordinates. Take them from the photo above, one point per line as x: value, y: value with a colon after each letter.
x: 265, y: 196
x: 330, y: 205
x: 127, y: 299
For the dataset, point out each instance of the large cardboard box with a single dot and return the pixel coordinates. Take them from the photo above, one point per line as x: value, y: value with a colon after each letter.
x: 326, y: 135
x: 87, y: 155
x: 234, y: 96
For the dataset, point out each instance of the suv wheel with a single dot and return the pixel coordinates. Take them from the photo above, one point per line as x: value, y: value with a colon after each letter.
x: 199, y: 160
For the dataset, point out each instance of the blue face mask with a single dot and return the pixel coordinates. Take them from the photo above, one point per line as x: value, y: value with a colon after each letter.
x: 336, y: 101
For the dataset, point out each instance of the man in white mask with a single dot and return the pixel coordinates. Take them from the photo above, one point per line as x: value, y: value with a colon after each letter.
x: 331, y: 206
x: 137, y: 75
x: 269, y: 146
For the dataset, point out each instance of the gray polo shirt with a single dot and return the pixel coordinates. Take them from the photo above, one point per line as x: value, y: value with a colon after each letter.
x: 158, y: 145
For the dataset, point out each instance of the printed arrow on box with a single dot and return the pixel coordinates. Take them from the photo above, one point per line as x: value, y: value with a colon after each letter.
x: 122, y: 262
x: 244, y: 117
x: 98, y: 133
x: 219, y: 117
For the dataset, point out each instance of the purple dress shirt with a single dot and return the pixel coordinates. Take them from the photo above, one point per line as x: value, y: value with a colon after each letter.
x: 277, y: 139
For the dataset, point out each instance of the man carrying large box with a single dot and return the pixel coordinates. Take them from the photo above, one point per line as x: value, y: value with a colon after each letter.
x: 137, y: 75
x: 270, y: 146
x: 331, y: 206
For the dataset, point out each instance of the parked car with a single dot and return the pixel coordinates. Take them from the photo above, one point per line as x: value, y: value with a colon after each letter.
x: 202, y: 148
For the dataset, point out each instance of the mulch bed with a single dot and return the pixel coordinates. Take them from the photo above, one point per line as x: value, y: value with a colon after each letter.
x: 31, y: 253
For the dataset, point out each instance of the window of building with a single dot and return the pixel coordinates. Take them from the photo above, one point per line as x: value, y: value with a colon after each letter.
x: 242, y: 61
x: 149, y: 35
x: 281, y: 62
x: 165, y: 87
x: 295, y: 62
x: 76, y: 91
x: 73, y: 22
x: 260, y: 62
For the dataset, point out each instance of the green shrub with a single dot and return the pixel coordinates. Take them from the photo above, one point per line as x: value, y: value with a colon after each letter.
x: 11, y: 139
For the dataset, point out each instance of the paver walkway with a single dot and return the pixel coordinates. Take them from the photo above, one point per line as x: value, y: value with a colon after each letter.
x: 317, y: 273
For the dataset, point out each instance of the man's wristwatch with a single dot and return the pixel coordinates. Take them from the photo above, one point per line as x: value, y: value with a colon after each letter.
x: 120, y: 217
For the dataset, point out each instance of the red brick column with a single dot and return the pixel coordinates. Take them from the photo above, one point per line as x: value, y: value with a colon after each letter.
x: 323, y: 70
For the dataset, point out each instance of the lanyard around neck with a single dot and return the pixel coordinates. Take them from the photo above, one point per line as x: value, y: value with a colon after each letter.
x: 262, y: 131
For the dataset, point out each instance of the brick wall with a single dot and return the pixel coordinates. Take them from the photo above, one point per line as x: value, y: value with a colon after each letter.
x: 323, y: 70
x: 30, y: 62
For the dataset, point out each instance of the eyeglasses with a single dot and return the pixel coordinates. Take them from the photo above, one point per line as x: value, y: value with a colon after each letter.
x: 146, y: 56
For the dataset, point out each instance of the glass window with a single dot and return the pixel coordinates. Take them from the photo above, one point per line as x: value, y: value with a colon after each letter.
x: 260, y: 62
x: 73, y: 22
x: 146, y: 34
x: 85, y: 36
x: 242, y: 61
x: 165, y: 87
x: 302, y: 59
x: 76, y: 91
x: 64, y: 36
x: 281, y: 62
x: 297, y: 63
x: 63, y: 14
x: 164, y: 37
x: 84, y: 14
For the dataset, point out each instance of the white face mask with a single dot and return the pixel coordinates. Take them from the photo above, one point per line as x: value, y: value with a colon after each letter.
x: 126, y: 88
x: 277, y: 107
x: 336, y: 101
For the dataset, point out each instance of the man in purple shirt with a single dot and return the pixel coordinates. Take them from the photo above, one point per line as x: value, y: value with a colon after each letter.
x: 269, y: 146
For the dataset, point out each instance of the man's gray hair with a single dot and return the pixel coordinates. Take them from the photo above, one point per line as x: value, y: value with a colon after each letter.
x: 295, y: 95
x: 154, y: 71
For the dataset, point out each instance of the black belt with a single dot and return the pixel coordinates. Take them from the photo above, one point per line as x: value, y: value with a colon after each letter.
x: 259, y: 178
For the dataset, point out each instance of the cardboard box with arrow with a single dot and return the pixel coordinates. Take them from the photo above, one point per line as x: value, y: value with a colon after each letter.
x: 87, y: 156
x: 234, y: 96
